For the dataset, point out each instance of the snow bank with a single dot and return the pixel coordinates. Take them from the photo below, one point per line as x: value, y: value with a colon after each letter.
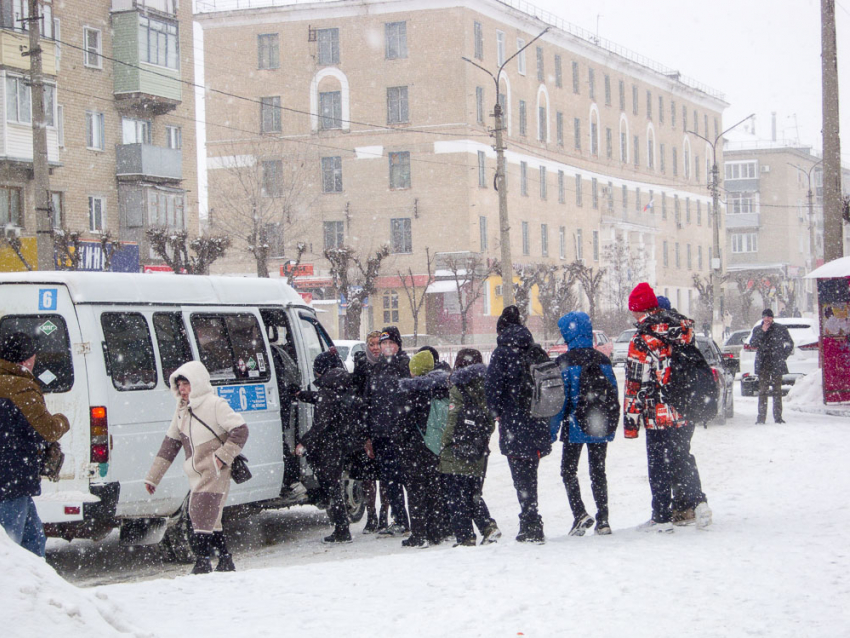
x: 36, y: 600
x: 806, y: 392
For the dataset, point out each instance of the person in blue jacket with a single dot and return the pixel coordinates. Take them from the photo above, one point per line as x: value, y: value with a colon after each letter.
x: 577, y: 331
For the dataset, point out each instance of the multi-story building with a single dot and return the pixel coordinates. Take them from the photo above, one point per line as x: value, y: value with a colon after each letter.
x: 774, y: 216
x: 380, y: 104
x: 120, y: 124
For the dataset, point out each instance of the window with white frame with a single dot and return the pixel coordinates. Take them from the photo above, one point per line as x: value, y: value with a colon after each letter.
x: 158, y: 42
x: 268, y: 51
x: 389, y: 302
x: 741, y: 203
x: 500, y: 48
x: 11, y: 211
x: 18, y: 100
x: 93, y: 48
x: 745, y: 242
x: 174, y: 137
x: 542, y: 124
x: 328, y: 40
x: 330, y: 110
x: 520, y: 59
x: 397, y: 105
x: 399, y: 170
x: 57, y: 209
x: 544, y: 240
x: 478, y: 36
x: 166, y: 209
x: 332, y: 174
x: 50, y: 105
x: 482, y: 169
x: 526, y: 243
x: 741, y: 170
x: 396, y: 40
x: 135, y: 131
x: 97, y: 214
x: 272, y: 178
x: 334, y: 234
x: 482, y: 232
x: 270, y: 114
x: 401, y: 235
x: 95, y: 130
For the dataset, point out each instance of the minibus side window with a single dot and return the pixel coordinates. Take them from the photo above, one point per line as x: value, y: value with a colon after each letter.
x: 316, y: 340
x: 129, y: 350
x: 231, y: 347
x: 172, y: 341
x: 53, y: 366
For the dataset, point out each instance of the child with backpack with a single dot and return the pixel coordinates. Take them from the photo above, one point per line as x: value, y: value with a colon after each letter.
x: 463, y: 459
x: 590, y: 416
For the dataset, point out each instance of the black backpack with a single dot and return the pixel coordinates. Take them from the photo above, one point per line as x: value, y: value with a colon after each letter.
x: 598, y: 409
x: 691, y: 390
x: 471, y: 435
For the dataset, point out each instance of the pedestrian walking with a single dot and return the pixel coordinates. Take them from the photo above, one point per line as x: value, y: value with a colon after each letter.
x: 27, y: 430
x: 589, y: 417
x: 668, y: 434
x: 773, y: 345
x: 523, y: 438
x: 212, y: 435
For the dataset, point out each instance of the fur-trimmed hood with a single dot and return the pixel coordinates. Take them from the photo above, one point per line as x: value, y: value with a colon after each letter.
x: 426, y: 383
x: 465, y: 375
x: 199, y: 378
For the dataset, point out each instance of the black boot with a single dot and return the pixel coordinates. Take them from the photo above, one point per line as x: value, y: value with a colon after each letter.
x: 225, y: 559
x: 382, y: 519
x: 340, y: 535
x: 201, y: 547
x: 371, y: 524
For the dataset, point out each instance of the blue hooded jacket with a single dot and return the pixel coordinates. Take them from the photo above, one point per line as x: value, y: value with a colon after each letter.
x: 577, y: 331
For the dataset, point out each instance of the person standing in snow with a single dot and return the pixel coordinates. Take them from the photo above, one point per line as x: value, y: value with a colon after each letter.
x: 335, y: 432
x: 463, y: 478
x: 524, y: 439
x: 668, y: 434
x: 773, y: 345
x: 577, y: 332
x: 211, y: 434
x: 26, y: 428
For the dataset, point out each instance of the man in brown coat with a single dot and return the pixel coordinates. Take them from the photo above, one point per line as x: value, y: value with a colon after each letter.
x: 26, y: 427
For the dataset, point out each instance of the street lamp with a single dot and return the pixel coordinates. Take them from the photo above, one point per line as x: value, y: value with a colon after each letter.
x: 812, y: 225
x: 714, y: 187
x: 504, y: 225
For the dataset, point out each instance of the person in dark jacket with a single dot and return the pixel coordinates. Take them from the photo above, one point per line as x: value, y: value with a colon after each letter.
x: 334, y: 434
x: 421, y: 465
x: 26, y: 427
x: 522, y: 438
x: 577, y: 331
x: 463, y: 479
x: 386, y: 414
x: 773, y: 345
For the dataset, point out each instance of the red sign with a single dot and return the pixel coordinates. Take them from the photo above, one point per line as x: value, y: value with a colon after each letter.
x: 152, y: 268
x: 301, y: 270
x: 307, y: 296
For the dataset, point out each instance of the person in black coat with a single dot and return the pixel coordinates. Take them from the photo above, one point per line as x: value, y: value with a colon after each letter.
x: 334, y: 434
x: 522, y: 438
x: 773, y: 345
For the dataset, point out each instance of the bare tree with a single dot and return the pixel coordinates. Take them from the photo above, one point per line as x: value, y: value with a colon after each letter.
x: 590, y: 281
x: 15, y: 244
x: 68, y: 246
x: 766, y: 285
x: 556, y: 292
x: 264, y: 188
x: 744, y: 284
x: 108, y: 248
x: 355, y: 280
x: 529, y: 276
x: 300, y: 247
x: 705, y: 292
x: 173, y: 247
x: 625, y: 268
x: 470, y: 272
x: 415, y: 302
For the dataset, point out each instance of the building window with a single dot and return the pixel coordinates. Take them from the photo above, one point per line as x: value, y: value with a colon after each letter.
x: 10, y: 206
x: 661, y: 109
x: 397, y: 109
x: 482, y: 169
x: 696, y: 167
x: 559, y: 76
x: 93, y: 44
x: 330, y: 110
x: 686, y: 157
x: 390, y: 306
x: 542, y: 122
x: 396, y: 36
x: 607, y: 90
x: 677, y: 255
x: 609, y: 143
x: 97, y: 214
x: 523, y: 124
x: 696, y: 122
x: 520, y: 58
x: 594, y: 193
x: 57, y: 209
x: 158, y: 42
x: 716, y: 128
x: 525, y: 242
x: 634, y: 99
x: 591, y: 83
x: 699, y: 257
x: 577, y: 133
x: 482, y: 232
x: 94, y: 131
x: 663, y: 205
x: 579, y: 246
x: 575, y: 78
x: 595, y: 245
x: 328, y: 40
x: 270, y: 114
x: 699, y: 213
x: 649, y: 105
x: 637, y: 151
x: 578, y: 189
x: 332, y: 174
x: 675, y: 161
x: 272, y: 178
x: 661, y: 159
x: 135, y: 131
x: 174, y: 137
x: 650, y: 153
x: 478, y: 37
x: 637, y: 198
x: 559, y: 128
x: 741, y: 170
x: 673, y: 113
x: 684, y: 118
x: 18, y: 100
x: 540, y: 64
x: 479, y: 104
x: 402, y: 241
x: 622, y: 86
x: 399, y: 170
x: 688, y: 260
x: 561, y: 188
x: 334, y: 235
x: 610, y: 196
x: 625, y: 190
x: 165, y: 209
x: 544, y: 240
x: 562, y: 242
x: 745, y: 242
x: 664, y: 254
x: 741, y: 203
x: 268, y: 51
x: 594, y: 138
x: 60, y: 125
x: 624, y: 147
x: 500, y: 48
x: 543, y: 191
x: 523, y: 179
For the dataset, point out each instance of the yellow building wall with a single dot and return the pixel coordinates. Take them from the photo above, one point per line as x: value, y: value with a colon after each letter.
x: 10, y: 262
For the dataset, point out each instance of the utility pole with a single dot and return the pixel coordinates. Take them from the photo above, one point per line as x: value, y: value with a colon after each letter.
x: 41, y: 171
x: 833, y: 225
x: 504, y: 222
x: 716, y: 272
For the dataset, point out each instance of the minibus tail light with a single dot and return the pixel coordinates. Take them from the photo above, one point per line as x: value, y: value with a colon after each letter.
x: 99, y: 430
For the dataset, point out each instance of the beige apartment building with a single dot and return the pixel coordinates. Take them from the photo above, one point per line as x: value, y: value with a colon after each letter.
x: 360, y: 123
x: 120, y: 125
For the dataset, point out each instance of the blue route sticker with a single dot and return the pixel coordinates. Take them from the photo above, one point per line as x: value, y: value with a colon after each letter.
x: 244, y: 398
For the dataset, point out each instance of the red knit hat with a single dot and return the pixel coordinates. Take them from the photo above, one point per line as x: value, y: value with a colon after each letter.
x: 642, y: 298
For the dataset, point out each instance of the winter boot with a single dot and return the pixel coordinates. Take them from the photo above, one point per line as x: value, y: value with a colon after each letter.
x: 602, y: 526
x: 682, y: 518
x: 415, y: 541
x: 382, y: 519
x: 225, y: 559
x: 201, y: 547
x: 468, y: 542
x: 581, y: 524
x: 371, y: 524
x: 654, y: 526
x: 531, y: 533
x: 340, y: 535
x: 702, y: 514
x: 491, y: 534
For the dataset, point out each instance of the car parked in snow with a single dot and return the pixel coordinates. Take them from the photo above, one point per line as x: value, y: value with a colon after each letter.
x: 733, y: 346
x: 601, y: 342
x: 621, y: 346
x: 803, y: 359
x: 724, y: 377
x: 347, y: 349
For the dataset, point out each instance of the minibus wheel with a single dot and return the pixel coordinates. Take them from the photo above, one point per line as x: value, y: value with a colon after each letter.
x: 355, y: 499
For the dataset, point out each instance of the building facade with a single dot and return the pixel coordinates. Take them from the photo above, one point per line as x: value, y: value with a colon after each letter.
x: 120, y: 125
x: 391, y: 130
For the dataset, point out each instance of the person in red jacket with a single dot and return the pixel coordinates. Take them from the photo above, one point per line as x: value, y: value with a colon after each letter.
x: 668, y: 434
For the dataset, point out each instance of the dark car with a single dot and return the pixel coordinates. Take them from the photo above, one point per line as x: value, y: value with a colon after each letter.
x: 732, y: 347
x: 723, y: 376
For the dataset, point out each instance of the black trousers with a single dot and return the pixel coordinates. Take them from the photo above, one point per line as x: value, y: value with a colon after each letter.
x: 390, y: 472
x: 672, y: 467
x: 424, y: 497
x: 524, y: 475
x: 770, y: 384
x: 465, y: 505
x: 329, y: 477
x: 596, y: 453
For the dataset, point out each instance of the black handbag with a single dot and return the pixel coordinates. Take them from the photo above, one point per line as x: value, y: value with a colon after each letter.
x: 239, y: 470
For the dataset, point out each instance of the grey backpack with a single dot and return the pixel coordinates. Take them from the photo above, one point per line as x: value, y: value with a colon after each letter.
x: 546, y: 384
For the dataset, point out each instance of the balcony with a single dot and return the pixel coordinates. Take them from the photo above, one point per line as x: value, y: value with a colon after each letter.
x: 14, y: 44
x: 134, y: 162
x: 742, y: 220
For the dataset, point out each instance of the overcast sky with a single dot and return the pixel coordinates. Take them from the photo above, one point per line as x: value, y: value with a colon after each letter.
x: 763, y: 54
